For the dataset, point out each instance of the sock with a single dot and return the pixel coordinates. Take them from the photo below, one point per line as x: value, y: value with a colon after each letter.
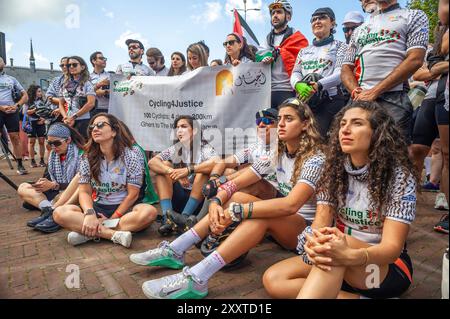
x: 19, y: 162
x: 191, y: 206
x: 166, y: 204
x: 204, y: 211
x: 428, y: 165
x: 44, y: 204
x: 208, y: 267
x: 185, y: 241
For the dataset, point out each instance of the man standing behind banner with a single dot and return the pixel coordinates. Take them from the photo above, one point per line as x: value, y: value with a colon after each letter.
x: 135, y: 67
x: 100, y: 80
x: 281, y: 50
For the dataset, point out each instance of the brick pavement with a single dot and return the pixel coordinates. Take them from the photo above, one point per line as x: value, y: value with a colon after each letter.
x: 33, y: 265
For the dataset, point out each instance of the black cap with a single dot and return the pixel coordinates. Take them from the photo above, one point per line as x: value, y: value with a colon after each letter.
x: 268, y: 113
x: 129, y: 41
x: 328, y: 11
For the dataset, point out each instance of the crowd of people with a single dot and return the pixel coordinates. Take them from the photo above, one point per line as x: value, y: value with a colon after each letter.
x: 337, y: 187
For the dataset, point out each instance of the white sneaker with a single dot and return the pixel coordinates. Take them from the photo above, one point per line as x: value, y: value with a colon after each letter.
x: 76, y: 239
x: 123, y: 238
x: 441, y: 202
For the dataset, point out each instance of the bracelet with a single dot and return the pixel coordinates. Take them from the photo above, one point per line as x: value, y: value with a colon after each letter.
x: 191, y: 169
x: 250, y: 211
x: 216, y: 200
x: 215, y: 176
x: 118, y: 214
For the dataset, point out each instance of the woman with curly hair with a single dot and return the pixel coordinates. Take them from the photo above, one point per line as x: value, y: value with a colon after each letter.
x: 293, y: 172
x: 370, y: 190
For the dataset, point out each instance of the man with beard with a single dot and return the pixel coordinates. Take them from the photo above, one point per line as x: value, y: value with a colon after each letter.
x: 9, y: 112
x: 384, y: 52
x: 135, y: 67
x: 281, y: 50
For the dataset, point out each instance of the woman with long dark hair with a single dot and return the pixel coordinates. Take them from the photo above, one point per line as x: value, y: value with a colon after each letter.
x: 237, y: 50
x: 36, y: 100
x: 369, y: 189
x: 178, y: 66
x: 111, y: 177
x: 63, y: 164
x: 182, y: 170
x: 79, y: 95
x: 293, y: 171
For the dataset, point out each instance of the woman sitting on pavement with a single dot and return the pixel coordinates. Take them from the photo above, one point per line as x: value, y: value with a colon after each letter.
x: 181, y: 172
x: 370, y: 190
x: 63, y: 164
x: 238, y: 50
x: 111, y: 177
x: 294, y: 172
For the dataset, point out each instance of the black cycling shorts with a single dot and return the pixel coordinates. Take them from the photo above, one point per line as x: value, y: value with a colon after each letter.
x: 425, y: 126
x: 397, y: 282
x: 38, y: 130
x: 11, y: 121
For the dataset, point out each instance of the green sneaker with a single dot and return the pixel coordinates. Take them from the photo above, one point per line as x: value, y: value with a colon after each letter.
x: 163, y: 256
x: 181, y: 286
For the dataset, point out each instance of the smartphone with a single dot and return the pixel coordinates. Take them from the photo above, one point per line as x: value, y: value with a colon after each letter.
x: 111, y: 223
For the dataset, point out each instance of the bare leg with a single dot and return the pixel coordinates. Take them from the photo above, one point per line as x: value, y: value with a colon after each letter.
x: 70, y: 195
x: 197, y: 187
x: 443, y: 132
x: 285, y: 279
x: 436, y: 163
x: 164, y: 185
x: 28, y: 194
x: 42, y: 147
x: 140, y: 218
x: 31, y: 144
x: 17, y: 145
x: 418, y: 154
x: 262, y: 189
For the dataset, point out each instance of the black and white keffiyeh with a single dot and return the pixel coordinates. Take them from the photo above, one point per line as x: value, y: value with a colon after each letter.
x: 64, y: 172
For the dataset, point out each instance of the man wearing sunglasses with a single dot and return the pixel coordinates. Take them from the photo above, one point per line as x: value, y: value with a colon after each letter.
x: 54, y: 92
x: 281, y: 49
x: 387, y: 49
x: 156, y: 60
x: 352, y: 21
x: 135, y: 67
x: 100, y: 80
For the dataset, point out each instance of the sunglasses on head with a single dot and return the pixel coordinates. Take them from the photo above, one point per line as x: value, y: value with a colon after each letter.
x: 54, y: 143
x: 348, y: 29
x: 98, y: 125
x: 275, y: 6
x: 73, y: 65
x: 319, y: 18
x: 230, y: 43
x: 265, y: 121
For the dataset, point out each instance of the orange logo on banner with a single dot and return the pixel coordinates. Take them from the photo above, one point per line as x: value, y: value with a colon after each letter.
x: 224, y: 83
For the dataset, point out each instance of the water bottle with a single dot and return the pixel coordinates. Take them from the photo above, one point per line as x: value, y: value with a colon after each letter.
x: 417, y: 95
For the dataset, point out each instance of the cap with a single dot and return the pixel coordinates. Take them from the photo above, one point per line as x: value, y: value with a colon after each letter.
x: 129, y: 41
x: 328, y: 11
x: 268, y: 113
x: 354, y: 17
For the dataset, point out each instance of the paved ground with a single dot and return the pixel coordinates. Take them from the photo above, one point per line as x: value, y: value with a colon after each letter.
x: 33, y: 265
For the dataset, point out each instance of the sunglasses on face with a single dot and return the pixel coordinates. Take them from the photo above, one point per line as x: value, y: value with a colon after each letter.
x: 319, y: 18
x: 134, y: 47
x: 230, y: 43
x: 98, y: 125
x: 265, y: 121
x: 348, y: 29
x: 103, y: 59
x: 73, y: 65
x: 54, y: 143
x: 63, y: 66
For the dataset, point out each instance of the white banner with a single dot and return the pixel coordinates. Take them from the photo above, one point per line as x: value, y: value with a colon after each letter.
x: 224, y: 100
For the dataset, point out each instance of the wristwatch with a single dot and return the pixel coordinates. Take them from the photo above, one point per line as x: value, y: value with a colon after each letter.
x: 223, y: 180
x: 236, y: 212
x: 75, y: 116
x: 90, y: 212
x: 57, y: 187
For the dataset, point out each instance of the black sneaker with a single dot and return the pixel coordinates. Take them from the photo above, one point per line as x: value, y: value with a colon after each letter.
x: 46, y: 213
x: 48, y: 226
x: 33, y: 164
x: 166, y: 229
x: 191, y: 221
x: 42, y: 163
x: 21, y: 170
x: 179, y: 220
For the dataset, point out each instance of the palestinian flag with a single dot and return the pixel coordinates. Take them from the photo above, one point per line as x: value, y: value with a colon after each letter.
x: 241, y: 27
